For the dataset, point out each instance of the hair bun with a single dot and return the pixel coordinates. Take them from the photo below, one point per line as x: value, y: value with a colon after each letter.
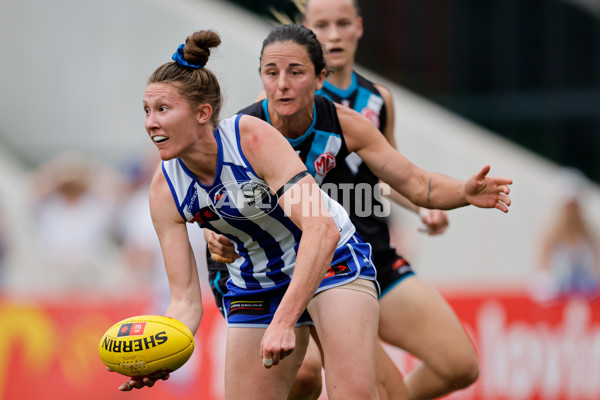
x: 197, y: 46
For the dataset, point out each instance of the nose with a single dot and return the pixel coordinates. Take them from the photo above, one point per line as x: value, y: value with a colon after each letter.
x: 333, y: 33
x: 150, y: 122
x: 282, y: 82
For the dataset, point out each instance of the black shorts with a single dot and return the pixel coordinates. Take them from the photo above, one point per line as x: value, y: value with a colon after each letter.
x: 391, y: 271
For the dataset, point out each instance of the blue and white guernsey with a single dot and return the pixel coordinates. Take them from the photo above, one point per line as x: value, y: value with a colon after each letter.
x: 240, y: 205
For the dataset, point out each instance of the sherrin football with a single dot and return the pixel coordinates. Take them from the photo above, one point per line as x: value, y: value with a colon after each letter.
x: 145, y: 345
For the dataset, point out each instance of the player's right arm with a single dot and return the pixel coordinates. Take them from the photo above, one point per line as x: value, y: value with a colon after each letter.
x: 180, y: 264
x: 186, y: 299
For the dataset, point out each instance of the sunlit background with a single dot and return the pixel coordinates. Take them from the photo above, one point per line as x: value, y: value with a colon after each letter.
x: 514, y: 84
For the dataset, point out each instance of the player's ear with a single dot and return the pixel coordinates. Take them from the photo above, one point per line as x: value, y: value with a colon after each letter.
x: 359, y: 26
x: 321, y: 79
x: 203, y: 113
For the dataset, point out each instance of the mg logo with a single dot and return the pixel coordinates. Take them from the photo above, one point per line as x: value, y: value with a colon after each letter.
x: 324, y: 163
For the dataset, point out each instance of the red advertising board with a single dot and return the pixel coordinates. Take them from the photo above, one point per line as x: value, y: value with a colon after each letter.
x: 527, y: 350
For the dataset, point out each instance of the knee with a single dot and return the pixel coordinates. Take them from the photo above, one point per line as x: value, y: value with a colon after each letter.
x: 308, y: 383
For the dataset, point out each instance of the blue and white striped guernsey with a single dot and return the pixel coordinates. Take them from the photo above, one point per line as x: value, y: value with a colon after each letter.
x: 239, y: 205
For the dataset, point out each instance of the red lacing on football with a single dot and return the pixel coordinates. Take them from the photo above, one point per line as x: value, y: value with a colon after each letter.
x: 133, y: 365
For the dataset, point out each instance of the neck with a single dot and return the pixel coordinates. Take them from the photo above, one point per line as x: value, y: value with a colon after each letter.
x: 341, y: 77
x: 201, y: 159
x: 292, y: 126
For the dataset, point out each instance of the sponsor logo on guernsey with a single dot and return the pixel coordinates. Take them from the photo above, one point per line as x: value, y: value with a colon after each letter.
x: 206, y: 214
x: 324, y: 163
x: 127, y: 346
x: 399, y: 263
x: 371, y: 116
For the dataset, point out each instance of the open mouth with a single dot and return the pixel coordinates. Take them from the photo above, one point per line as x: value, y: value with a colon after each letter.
x: 336, y: 50
x: 160, y: 139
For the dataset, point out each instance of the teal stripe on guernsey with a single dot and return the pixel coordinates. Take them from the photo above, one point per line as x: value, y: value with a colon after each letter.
x: 216, y: 283
x: 342, y: 93
x: 298, y: 140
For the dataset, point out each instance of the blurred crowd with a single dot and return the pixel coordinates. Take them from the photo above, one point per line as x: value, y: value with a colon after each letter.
x: 568, y: 257
x: 89, y: 232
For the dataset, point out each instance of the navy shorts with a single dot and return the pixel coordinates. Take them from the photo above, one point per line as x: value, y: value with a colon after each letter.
x: 391, y: 270
x: 255, y: 308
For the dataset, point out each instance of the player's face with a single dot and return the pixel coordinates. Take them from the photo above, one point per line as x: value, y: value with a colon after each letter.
x: 337, y: 27
x: 289, y: 78
x: 170, y: 122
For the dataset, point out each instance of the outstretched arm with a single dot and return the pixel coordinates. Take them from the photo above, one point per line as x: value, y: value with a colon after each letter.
x: 426, y: 189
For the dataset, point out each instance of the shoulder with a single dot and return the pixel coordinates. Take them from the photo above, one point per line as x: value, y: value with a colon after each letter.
x: 249, y: 124
x: 351, y: 120
x: 322, y: 100
x: 258, y: 136
x: 386, y: 94
x: 324, y: 105
x: 159, y: 187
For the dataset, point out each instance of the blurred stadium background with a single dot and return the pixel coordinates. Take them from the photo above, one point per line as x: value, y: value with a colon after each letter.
x: 503, y: 82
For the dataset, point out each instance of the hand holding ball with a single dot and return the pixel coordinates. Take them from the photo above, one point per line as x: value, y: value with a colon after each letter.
x: 146, y: 345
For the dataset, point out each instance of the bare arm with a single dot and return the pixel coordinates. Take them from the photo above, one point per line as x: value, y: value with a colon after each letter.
x: 274, y: 160
x: 180, y: 264
x: 423, y: 188
x: 186, y: 299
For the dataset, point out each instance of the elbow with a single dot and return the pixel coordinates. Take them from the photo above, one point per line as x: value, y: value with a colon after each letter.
x: 333, y: 235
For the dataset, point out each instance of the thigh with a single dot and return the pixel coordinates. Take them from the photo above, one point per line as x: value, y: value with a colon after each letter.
x: 346, y: 324
x: 245, y: 376
x: 416, y: 318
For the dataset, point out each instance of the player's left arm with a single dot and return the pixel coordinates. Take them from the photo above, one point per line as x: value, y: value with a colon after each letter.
x: 435, y: 221
x: 421, y: 187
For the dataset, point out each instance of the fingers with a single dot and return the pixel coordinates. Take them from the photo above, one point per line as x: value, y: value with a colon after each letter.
x: 138, y: 383
x: 502, y: 207
x: 222, y: 239
x: 484, y: 171
x: 126, y: 387
x: 503, y: 189
x: 221, y: 259
x: 221, y: 248
x: 267, y: 362
x: 435, y: 221
x: 270, y: 359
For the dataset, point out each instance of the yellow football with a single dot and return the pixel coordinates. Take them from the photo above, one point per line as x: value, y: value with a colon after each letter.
x: 146, y: 345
